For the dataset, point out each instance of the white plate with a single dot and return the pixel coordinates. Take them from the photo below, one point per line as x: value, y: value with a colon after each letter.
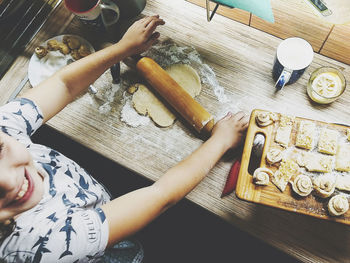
x: 40, y: 69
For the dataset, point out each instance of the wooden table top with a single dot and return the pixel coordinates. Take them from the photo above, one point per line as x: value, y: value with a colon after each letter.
x: 242, y: 59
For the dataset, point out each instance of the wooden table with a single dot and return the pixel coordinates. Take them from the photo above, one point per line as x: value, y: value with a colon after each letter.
x: 242, y: 59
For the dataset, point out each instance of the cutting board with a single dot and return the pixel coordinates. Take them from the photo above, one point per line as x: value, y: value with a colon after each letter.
x: 270, y: 195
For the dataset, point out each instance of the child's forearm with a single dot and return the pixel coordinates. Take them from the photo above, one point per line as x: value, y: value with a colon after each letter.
x: 79, y: 75
x: 182, y: 178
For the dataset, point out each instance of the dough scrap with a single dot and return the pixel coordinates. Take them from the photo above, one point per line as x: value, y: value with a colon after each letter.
x: 315, y: 162
x: 146, y: 103
x: 342, y: 162
x: 305, y: 135
x: 284, y: 130
x: 287, y: 169
x: 328, y: 141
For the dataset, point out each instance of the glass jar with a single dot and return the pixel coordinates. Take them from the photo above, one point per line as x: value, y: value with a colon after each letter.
x: 325, y: 85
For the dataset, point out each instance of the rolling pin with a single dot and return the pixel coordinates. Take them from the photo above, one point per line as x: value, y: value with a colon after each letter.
x: 175, y: 95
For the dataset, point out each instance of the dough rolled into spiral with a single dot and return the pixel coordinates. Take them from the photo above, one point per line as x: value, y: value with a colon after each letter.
x: 302, y: 185
x: 324, y: 185
x: 261, y: 176
x: 338, y: 205
x: 274, y: 155
x: 263, y: 119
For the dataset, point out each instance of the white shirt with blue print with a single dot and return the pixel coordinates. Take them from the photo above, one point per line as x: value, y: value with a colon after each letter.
x: 67, y: 225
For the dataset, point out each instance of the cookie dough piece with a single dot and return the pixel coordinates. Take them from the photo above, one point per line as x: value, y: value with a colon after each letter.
x: 284, y: 130
x: 305, y: 135
x: 315, y: 162
x: 281, y: 177
x: 283, y: 135
x: 146, y: 103
x: 187, y: 77
x: 261, y: 176
x: 328, y: 141
x: 343, y: 182
x: 324, y: 185
x: 302, y: 185
x: 274, y: 155
x: 338, y: 205
x: 342, y: 161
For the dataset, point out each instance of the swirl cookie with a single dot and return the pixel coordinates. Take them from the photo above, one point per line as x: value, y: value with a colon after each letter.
x: 302, y: 185
x: 274, y: 155
x: 338, y: 205
x: 324, y: 185
x: 261, y: 176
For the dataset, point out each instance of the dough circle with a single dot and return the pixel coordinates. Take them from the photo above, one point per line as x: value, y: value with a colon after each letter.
x: 302, y: 185
x: 261, y: 176
x: 338, y: 205
x: 146, y: 103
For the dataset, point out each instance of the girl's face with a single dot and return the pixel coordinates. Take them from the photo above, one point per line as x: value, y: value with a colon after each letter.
x: 21, y: 186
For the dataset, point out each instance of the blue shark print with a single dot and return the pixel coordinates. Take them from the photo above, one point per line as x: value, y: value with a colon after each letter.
x: 42, y: 241
x: 51, y: 172
x: 53, y: 217
x: 68, y: 172
x: 81, y: 194
x: 28, y: 125
x: 68, y: 229
x: 66, y: 202
x: 24, y: 101
x: 49, y: 231
x: 85, y: 185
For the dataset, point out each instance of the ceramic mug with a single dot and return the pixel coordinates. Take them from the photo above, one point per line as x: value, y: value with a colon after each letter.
x: 292, y: 57
x: 100, y: 13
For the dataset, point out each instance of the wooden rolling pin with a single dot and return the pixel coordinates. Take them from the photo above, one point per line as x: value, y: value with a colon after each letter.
x: 175, y: 95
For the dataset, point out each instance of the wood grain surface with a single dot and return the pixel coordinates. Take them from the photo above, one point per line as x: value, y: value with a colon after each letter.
x: 241, y: 58
x: 337, y: 45
x: 270, y: 195
x: 233, y: 13
x: 294, y: 18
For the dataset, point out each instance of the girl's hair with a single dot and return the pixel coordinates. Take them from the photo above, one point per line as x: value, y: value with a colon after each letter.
x: 6, y: 228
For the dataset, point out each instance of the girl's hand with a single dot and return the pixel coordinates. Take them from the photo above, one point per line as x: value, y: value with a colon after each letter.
x: 231, y: 129
x: 141, y: 35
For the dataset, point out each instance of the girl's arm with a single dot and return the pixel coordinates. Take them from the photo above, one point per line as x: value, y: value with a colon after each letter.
x: 54, y: 93
x: 131, y: 212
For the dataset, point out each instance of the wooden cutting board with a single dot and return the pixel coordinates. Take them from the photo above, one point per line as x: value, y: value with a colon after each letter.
x: 270, y: 195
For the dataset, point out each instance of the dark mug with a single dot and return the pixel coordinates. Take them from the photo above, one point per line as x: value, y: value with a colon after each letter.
x: 130, y: 8
x: 293, y: 56
x: 94, y: 12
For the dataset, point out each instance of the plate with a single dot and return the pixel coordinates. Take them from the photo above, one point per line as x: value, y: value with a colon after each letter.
x: 40, y: 69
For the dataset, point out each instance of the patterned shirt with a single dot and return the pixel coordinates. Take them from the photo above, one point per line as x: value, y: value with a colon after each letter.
x: 67, y: 225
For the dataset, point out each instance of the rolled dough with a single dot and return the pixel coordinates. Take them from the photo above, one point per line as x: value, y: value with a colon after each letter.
x: 146, y: 103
